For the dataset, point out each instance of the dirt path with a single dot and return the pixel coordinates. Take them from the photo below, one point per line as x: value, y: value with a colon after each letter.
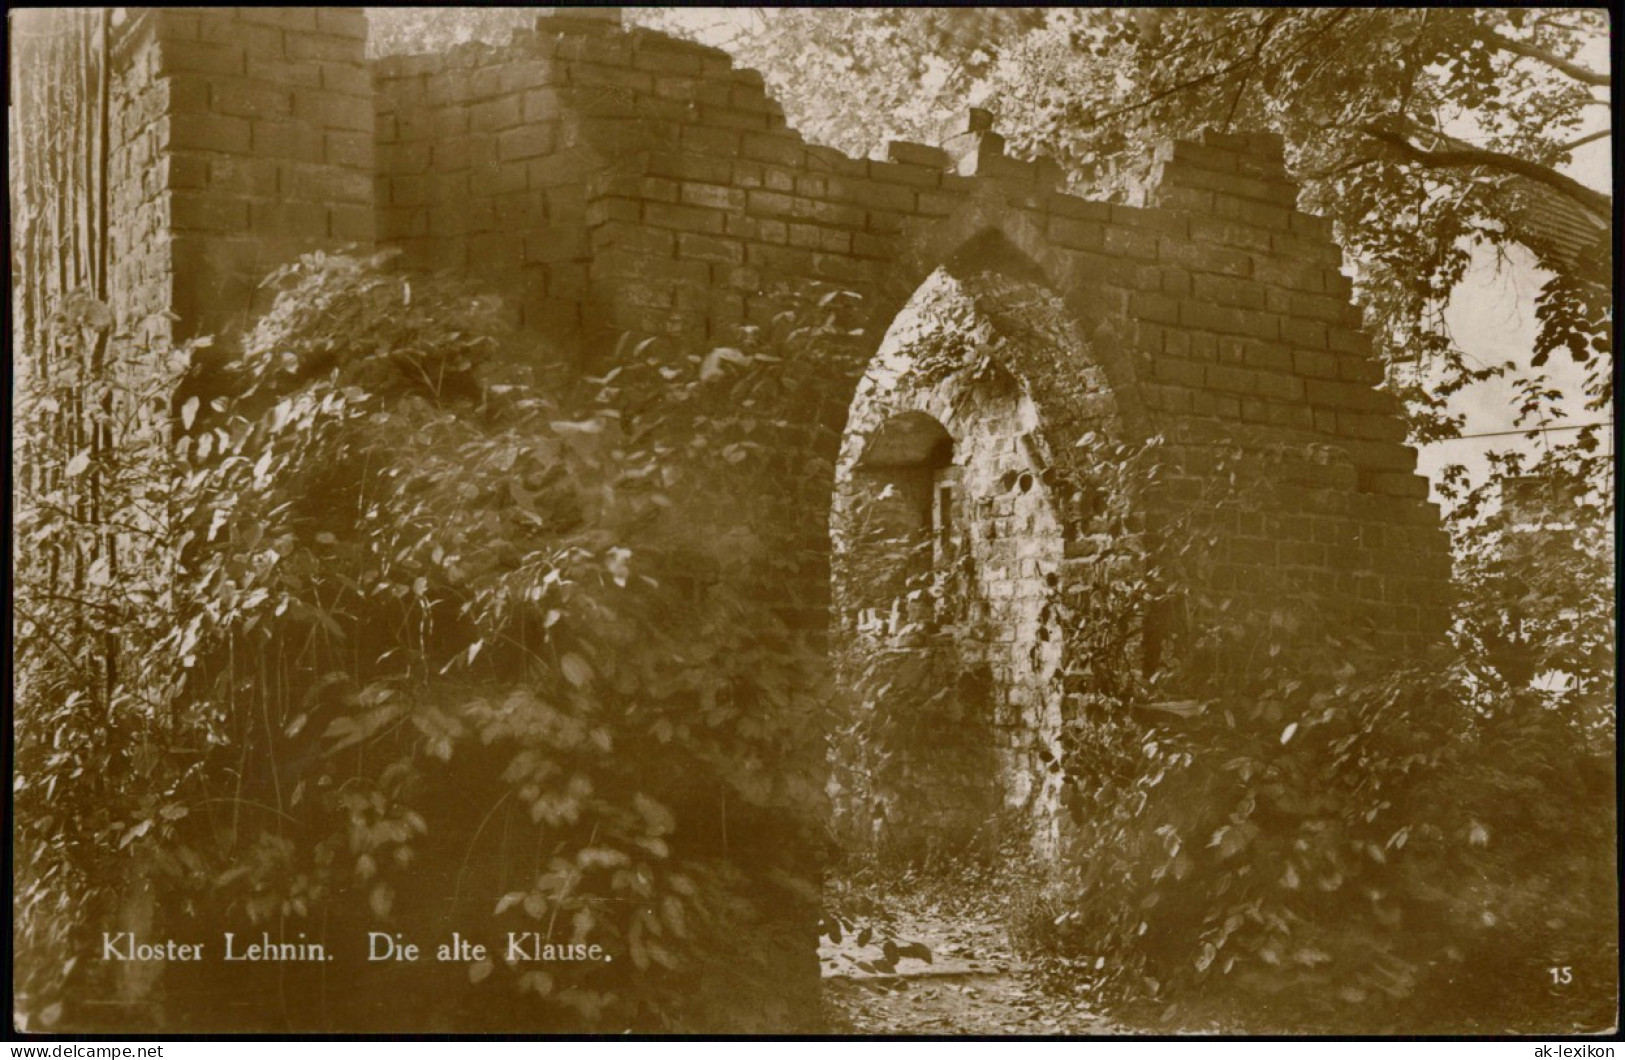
x: 973, y: 985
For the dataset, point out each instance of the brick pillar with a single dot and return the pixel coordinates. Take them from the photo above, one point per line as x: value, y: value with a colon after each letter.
x: 975, y: 150
x: 266, y: 146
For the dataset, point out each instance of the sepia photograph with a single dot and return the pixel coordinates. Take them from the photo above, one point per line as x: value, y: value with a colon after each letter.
x: 868, y: 522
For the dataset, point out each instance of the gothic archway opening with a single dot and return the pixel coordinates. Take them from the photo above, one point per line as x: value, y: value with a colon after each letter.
x: 914, y: 769
x: 948, y: 544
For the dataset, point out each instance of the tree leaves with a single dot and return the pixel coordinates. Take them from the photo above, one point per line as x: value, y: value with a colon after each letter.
x: 712, y: 367
x: 135, y: 832
x: 576, y: 670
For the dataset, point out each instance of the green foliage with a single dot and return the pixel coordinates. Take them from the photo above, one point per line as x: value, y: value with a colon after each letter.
x: 1348, y: 857
x: 103, y: 753
x: 912, y: 753
x: 426, y: 30
x: 856, y: 77
x: 1535, y: 547
x: 459, y: 630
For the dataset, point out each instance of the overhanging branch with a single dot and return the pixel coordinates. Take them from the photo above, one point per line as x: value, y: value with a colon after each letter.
x: 1556, y: 62
x: 1595, y: 201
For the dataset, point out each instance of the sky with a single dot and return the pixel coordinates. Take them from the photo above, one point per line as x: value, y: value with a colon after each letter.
x: 1492, y: 316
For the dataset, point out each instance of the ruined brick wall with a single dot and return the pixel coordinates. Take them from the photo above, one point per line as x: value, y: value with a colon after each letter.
x: 593, y: 175
x: 614, y: 181
x: 483, y: 171
x: 1216, y: 319
x: 1253, y: 343
x: 620, y: 181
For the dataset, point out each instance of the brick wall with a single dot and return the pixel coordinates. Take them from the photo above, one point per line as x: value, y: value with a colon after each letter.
x: 611, y: 181
x: 582, y: 169
x: 483, y: 170
x: 1217, y: 318
x: 1252, y: 341
x: 618, y: 181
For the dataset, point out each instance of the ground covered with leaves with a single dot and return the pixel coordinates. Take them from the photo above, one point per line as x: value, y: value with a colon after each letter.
x: 969, y: 979
x: 975, y: 985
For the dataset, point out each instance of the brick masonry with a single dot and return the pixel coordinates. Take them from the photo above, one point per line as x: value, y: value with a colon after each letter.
x: 249, y: 133
x: 611, y: 181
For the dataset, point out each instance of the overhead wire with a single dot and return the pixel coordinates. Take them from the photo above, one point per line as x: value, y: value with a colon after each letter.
x: 1525, y: 430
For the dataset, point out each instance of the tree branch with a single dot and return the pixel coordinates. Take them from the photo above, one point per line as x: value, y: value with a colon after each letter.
x: 1157, y: 97
x: 1258, y: 50
x: 1530, y: 51
x: 1325, y: 59
x: 1582, y: 141
x: 1594, y: 201
x: 1333, y: 172
x: 1553, y: 20
x: 1319, y: 31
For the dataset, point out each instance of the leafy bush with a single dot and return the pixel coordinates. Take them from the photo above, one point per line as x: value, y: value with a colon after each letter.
x: 1399, y: 849
x: 911, y: 757
x: 1535, y: 563
x: 102, y: 748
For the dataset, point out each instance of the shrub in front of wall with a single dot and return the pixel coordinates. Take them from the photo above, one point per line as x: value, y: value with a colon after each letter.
x: 490, y: 653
